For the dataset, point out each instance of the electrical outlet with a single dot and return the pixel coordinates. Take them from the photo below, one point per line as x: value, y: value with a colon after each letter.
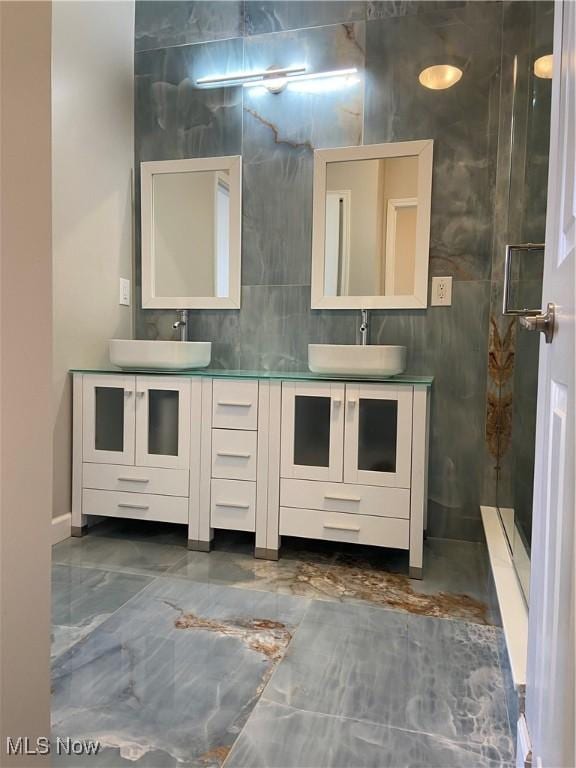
x: 124, y: 292
x: 441, y: 292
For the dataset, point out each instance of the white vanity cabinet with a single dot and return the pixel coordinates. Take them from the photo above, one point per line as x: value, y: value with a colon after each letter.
x: 308, y: 456
x: 353, y: 464
x: 133, y: 441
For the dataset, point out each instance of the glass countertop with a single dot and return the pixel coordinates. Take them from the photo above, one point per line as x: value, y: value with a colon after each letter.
x: 220, y: 373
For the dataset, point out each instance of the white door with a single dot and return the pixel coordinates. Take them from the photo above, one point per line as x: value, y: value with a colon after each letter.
x: 312, y: 439
x: 162, y: 422
x: 378, y: 435
x: 550, y: 711
x: 108, y: 419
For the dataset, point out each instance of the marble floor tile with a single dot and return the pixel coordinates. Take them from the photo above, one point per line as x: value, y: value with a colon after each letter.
x: 410, y: 672
x: 277, y: 736
x: 454, y: 584
x: 117, y: 551
x: 82, y: 598
x: 171, y: 678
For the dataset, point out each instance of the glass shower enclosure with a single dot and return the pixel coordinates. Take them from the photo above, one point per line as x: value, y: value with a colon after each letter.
x: 528, y: 37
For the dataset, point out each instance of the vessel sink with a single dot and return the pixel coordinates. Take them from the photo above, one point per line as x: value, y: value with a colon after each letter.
x: 142, y: 355
x: 352, y: 359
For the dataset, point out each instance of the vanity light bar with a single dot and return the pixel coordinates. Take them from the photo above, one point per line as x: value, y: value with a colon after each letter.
x: 247, y: 78
x: 272, y: 77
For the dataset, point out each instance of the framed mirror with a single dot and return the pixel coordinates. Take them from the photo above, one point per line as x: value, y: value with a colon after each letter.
x: 191, y: 219
x: 371, y: 226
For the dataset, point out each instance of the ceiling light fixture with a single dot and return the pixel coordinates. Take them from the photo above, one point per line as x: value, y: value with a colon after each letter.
x: 543, y: 66
x: 274, y: 79
x: 438, y: 77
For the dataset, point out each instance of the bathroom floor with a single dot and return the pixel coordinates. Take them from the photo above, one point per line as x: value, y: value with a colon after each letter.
x: 329, y: 657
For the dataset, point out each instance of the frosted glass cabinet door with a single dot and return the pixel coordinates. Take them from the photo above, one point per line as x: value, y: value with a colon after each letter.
x: 108, y: 419
x: 162, y: 422
x: 312, y: 430
x: 378, y: 435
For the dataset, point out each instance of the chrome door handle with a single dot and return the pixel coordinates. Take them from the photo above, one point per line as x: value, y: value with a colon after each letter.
x: 133, y: 480
x: 544, y: 322
x: 335, y: 497
x: 335, y: 527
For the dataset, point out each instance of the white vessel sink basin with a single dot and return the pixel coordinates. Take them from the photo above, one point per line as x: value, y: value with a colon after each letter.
x: 352, y: 359
x: 142, y: 355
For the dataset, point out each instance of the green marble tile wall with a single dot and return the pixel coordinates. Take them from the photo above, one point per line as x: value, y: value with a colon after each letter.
x: 276, y: 135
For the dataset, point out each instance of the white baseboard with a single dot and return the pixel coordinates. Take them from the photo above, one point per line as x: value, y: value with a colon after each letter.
x: 523, y: 745
x: 61, y: 528
x: 510, y: 598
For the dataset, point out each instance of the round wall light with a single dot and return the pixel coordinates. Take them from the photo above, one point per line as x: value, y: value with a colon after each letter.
x: 438, y: 77
x: 543, y: 66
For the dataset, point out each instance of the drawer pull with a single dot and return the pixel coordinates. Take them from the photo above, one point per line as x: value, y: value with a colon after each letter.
x: 335, y: 527
x: 232, y: 505
x: 133, y: 506
x: 336, y: 497
x: 234, y: 454
x: 133, y: 480
x: 234, y: 403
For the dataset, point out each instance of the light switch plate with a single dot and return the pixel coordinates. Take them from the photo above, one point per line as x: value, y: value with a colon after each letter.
x: 124, y: 292
x: 441, y: 292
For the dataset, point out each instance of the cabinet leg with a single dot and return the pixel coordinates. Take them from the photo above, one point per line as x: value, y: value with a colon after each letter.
x: 199, y: 546
x: 266, y: 554
x: 78, y: 531
x: 414, y: 573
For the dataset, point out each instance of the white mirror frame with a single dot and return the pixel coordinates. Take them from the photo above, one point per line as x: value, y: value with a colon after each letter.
x: 417, y: 300
x: 232, y: 164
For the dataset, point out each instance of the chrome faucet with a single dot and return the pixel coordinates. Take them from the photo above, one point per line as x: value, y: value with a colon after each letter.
x: 364, y: 328
x: 182, y: 323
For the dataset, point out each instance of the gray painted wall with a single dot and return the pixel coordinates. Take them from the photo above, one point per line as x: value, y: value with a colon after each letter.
x: 276, y: 135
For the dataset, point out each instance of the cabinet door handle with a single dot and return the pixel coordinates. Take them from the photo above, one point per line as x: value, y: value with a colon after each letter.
x: 141, y: 393
x: 352, y: 402
x: 336, y: 497
x: 231, y: 505
x: 128, y: 392
x: 234, y: 403
x: 133, y: 506
x: 335, y: 527
x: 133, y: 480
x: 337, y: 401
x: 234, y: 454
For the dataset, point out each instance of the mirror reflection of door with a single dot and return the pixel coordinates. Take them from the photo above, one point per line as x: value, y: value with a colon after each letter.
x: 222, y: 233
x: 337, y: 273
x: 371, y: 224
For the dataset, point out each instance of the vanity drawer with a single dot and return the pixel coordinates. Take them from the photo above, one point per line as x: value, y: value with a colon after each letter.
x: 137, y: 506
x: 234, y: 454
x: 111, y: 477
x: 340, y: 526
x: 345, y: 497
x: 233, y: 505
x: 235, y: 404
